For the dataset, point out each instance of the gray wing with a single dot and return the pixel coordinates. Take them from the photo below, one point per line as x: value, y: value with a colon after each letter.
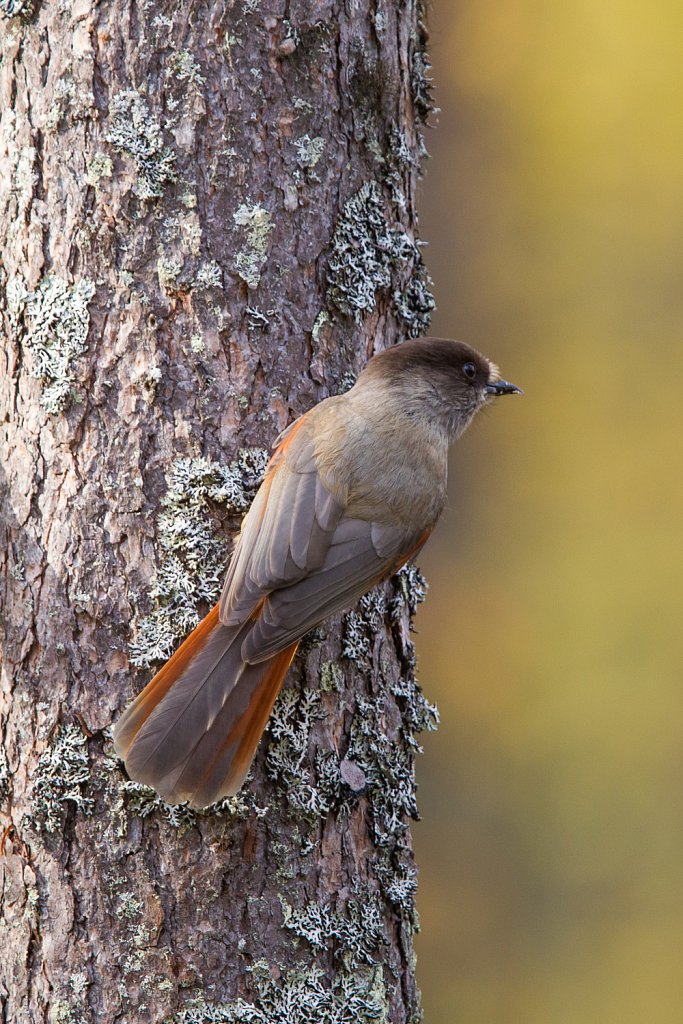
x: 298, y: 559
x: 287, y: 531
x: 360, y: 555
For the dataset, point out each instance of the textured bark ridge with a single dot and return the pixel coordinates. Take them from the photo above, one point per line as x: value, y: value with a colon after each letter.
x: 207, y: 224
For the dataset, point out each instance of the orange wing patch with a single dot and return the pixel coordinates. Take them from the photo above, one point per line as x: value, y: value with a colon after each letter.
x: 245, y: 734
x: 155, y: 691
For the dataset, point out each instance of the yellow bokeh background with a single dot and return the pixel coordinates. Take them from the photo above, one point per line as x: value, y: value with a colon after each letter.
x: 551, y: 849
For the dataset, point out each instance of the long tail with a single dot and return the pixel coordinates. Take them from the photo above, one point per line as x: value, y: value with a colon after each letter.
x: 193, y: 731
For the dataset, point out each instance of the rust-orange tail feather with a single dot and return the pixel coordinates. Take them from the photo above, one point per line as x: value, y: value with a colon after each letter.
x: 193, y: 731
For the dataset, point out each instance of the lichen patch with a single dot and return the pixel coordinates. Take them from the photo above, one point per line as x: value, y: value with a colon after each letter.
x: 367, y: 254
x: 301, y: 995
x: 134, y: 132
x: 193, y: 554
x: 55, y: 321
x: 309, y: 150
x: 59, y: 778
x: 257, y: 224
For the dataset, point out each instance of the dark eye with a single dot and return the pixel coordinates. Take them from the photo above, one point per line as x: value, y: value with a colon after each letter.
x: 469, y: 370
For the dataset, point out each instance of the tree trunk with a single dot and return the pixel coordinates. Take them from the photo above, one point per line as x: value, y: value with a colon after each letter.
x: 207, y: 220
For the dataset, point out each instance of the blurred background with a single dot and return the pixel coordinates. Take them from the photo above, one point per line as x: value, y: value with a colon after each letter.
x: 551, y: 849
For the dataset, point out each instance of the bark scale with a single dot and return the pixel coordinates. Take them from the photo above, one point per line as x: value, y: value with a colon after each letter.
x: 207, y: 221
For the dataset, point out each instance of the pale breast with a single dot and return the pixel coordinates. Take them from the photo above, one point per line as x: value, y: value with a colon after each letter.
x: 389, y: 469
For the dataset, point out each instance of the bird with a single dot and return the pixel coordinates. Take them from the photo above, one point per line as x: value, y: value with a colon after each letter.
x: 352, y: 492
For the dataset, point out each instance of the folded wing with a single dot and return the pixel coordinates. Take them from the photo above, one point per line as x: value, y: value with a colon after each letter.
x: 300, y: 559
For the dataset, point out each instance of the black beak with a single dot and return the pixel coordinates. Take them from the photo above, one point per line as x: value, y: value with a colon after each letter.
x: 503, y: 387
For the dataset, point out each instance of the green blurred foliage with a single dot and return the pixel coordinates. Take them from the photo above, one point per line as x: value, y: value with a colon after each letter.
x: 552, y: 796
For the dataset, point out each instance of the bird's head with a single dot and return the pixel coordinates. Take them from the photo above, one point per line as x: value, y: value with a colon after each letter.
x: 444, y: 381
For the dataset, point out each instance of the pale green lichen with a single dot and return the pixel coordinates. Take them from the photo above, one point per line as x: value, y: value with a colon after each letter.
x: 362, y: 625
x: 309, y: 150
x: 257, y: 319
x: 63, y: 1012
x: 168, y: 270
x: 134, y: 963
x: 365, y: 254
x: 187, y: 229
x: 32, y: 911
x: 418, y: 713
x: 415, y: 303
x: 79, y: 982
x: 59, y: 778
x: 209, y: 275
x: 388, y: 769
x: 374, y: 765
x: 99, y: 167
x: 183, y: 65
x: 299, y: 996
x: 163, y: 22
x: 135, y: 132
x: 70, y: 103
x: 193, y: 554
x: 353, y: 928
x: 16, y: 295
x: 285, y: 861
x: 356, y: 640
x: 142, y: 801
x: 322, y: 318
x: 18, y: 572
x: 384, y: 768
x: 301, y: 104
x: 411, y: 587
x: 397, y: 876
x: 399, y: 148
x: 258, y: 225
x: 128, y: 906
x: 360, y: 259
x: 55, y: 328
x: 290, y: 726
x: 331, y: 677
x: 310, y: 640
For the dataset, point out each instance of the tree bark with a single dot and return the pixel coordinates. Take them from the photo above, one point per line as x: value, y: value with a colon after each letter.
x: 207, y: 220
